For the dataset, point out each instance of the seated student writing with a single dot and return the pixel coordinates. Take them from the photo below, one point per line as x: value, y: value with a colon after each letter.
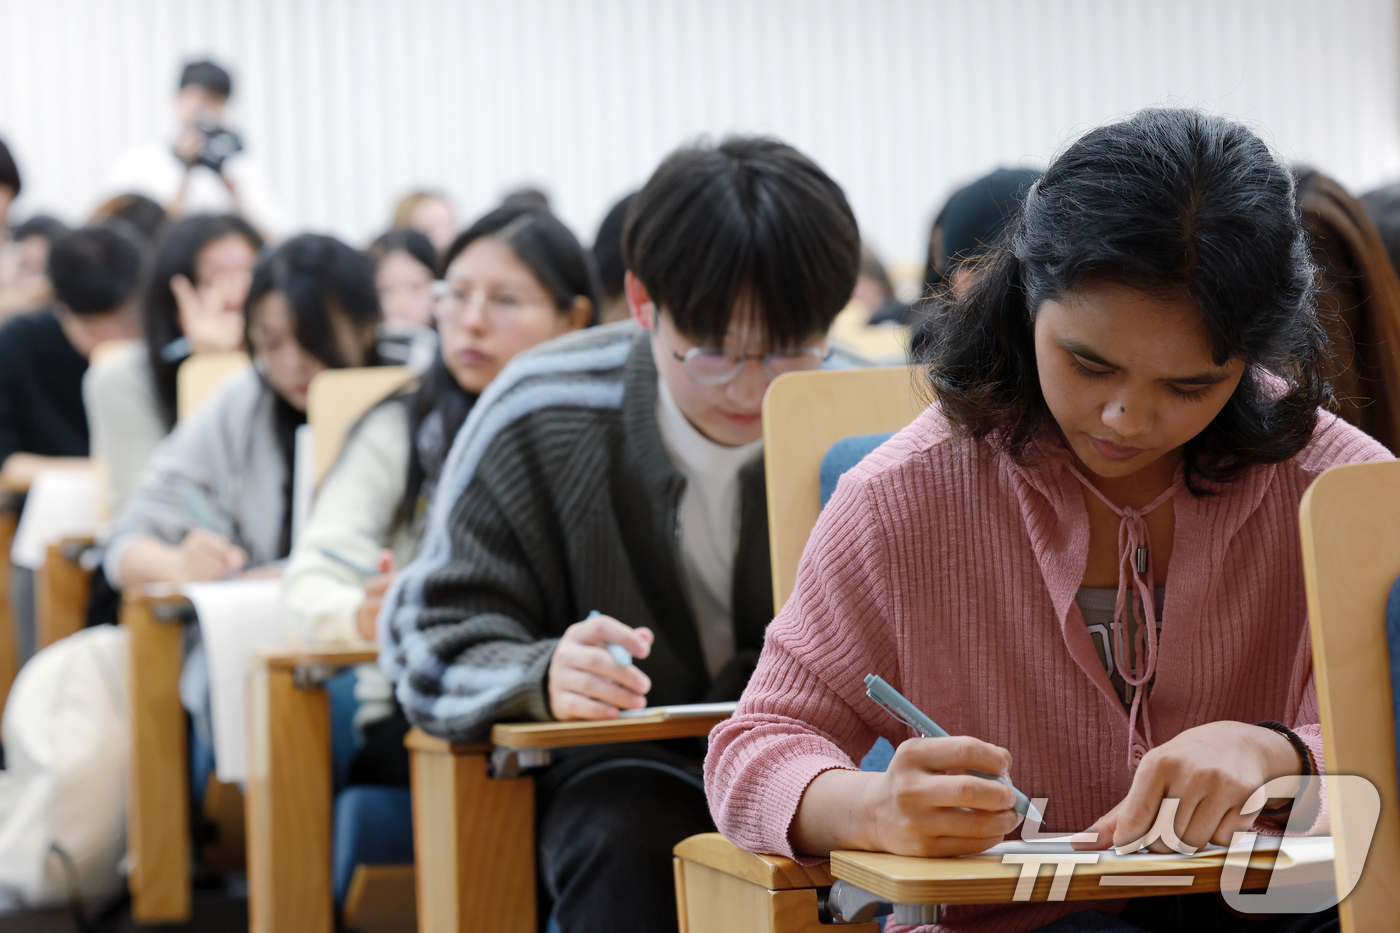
x: 514, y: 278
x: 216, y: 495
x: 1083, y: 561
x: 620, y: 470
x: 44, y: 354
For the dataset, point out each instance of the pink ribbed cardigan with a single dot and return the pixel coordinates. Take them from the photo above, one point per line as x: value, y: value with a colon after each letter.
x: 952, y: 572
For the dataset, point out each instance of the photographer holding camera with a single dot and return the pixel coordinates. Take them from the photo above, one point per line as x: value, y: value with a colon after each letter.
x: 205, y: 170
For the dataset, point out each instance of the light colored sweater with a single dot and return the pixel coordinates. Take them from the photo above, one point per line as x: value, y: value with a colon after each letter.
x: 708, y: 521
x: 222, y: 466
x: 952, y: 572
x: 355, y: 515
x: 124, y: 419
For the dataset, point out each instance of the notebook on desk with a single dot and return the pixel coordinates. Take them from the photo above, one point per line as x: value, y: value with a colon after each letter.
x: 680, y: 711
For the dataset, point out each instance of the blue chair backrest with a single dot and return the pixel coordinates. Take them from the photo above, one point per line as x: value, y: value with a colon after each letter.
x: 843, y: 455
x: 1392, y: 637
x: 839, y: 458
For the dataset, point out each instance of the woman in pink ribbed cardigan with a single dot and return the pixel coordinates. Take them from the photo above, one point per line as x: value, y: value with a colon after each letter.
x: 1084, y: 560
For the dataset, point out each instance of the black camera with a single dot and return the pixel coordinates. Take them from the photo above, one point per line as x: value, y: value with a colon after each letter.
x: 220, y: 143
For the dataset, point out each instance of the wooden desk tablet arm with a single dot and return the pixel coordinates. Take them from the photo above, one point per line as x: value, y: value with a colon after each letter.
x: 719, y: 886
x: 62, y: 588
x: 289, y: 792
x: 714, y: 877
x: 158, y: 791
x: 474, y: 815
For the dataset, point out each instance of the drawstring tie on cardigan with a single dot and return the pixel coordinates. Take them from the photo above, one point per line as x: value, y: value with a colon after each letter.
x: 1135, y: 571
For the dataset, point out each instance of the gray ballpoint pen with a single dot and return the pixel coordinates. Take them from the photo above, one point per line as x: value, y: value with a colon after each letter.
x: 900, y: 708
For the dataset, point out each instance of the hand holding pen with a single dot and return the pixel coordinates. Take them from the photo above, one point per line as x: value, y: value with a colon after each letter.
x: 591, y: 674
x: 895, y: 703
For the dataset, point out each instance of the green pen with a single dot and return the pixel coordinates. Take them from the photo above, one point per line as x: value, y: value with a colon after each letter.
x: 895, y: 703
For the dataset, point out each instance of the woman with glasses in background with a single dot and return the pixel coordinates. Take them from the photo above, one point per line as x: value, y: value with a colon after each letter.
x: 513, y: 279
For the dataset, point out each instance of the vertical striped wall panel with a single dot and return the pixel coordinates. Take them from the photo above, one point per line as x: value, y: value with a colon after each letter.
x: 348, y: 103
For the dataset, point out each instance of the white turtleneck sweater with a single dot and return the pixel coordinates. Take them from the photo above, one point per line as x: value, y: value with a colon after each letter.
x: 709, y: 523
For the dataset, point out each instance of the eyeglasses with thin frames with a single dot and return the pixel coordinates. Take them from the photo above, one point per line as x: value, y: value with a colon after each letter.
x: 449, y: 303
x: 709, y: 366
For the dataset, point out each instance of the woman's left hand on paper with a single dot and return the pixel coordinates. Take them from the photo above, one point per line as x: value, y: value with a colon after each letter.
x: 1211, y: 771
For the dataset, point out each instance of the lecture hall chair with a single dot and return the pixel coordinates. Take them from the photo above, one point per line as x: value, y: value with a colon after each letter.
x: 1350, y: 521
x: 720, y: 887
x: 473, y: 805
x: 300, y: 742
x: 158, y: 786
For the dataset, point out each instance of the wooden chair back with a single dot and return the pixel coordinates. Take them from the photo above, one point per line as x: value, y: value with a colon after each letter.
x: 338, y: 398
x: 201, y: 375
x: 803, y: 415
x: 1350, y: 521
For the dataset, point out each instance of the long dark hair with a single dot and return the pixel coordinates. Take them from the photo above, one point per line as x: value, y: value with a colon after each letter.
x: 565, y: 269
x: 319, y: 277
x: 1171, y: 202
x: 176, y: 253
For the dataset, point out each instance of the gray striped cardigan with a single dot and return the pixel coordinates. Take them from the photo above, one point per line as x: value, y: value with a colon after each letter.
x: 559, y: 498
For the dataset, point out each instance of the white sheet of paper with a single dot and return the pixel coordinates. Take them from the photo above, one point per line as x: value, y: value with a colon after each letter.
x: 236, y: 618
x: 680, y: 711
x: 59, y: 504
x: 1055, y: 845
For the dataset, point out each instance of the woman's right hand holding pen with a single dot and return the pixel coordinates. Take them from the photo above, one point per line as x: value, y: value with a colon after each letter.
x: 367, y: 616
x: 585, y: 681
x: 925, y: 804
x: 207, y: 555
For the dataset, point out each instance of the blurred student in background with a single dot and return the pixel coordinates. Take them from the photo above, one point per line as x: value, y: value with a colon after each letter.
x: 141, y: 212
x: 24, y: 277
x: 607, y: 253
x: 43, y: 354
x: 216, y: 495
x: 964, y: 230
x: 404, y: 270
x: 514, y: 278
x: 875, y: 292
x: 430, y: 213
x: 621, y: 470
x: 204, y: 168
x: 193, y: 304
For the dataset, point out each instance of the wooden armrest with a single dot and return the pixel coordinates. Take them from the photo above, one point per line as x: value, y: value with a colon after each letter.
x: 419, y: 741
x: 985, y: 879
x: 71, y: 548
x: 62, y: 590
x: 158, y: 820
x: 160, y: 602
x: 290, y: 659
x: 547, y: 735
x: 773, y: 872
x: 568, y: 734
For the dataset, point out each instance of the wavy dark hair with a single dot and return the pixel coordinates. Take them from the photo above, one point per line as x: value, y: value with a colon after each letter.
x: 320, y: 278
x: 1171, y: 202
x: 176, y: 254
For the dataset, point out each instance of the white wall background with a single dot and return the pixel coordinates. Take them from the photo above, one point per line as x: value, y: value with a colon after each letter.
x: 348, y: 103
